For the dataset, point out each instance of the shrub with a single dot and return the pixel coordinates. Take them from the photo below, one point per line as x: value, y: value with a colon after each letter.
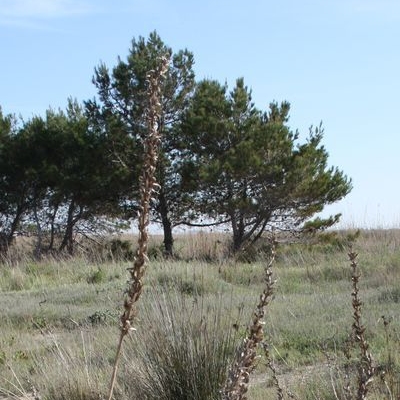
x: 121, y: 250
x: 97, y: 276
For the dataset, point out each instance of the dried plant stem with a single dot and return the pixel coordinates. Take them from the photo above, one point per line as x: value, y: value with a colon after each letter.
x: 238, y: 378
x: 366, y: 369
x: 147, y: 185
x: 271, y: 366
x: 386, y: 323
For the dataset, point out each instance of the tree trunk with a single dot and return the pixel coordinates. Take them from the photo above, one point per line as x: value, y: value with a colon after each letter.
x: 6, y: 238
x: 238, y: 239
x: 238, y: 229
x: 52, y: 228
x: 67, y: 241
x: 239, y: 236
x: 166, y: 223
x: 38, y: 246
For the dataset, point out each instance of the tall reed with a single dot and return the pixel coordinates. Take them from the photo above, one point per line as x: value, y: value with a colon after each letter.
x: 147, y: 186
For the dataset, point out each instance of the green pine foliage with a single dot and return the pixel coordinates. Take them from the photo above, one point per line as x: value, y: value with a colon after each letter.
x: 75, y: 173
x: 250, y: 168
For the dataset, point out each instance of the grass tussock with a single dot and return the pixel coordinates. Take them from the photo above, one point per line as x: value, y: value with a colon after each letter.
x: 183, y: 346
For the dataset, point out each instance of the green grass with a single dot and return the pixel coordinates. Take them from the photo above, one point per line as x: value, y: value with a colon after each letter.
x: 60, y: 319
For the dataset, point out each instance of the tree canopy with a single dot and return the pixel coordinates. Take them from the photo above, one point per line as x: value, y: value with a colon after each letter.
x: 222, y: 159
x: 122, y: 94
x: 250, y: 168
x: 56, y: 173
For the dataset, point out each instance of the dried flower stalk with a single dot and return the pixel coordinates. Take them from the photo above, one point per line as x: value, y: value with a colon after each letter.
x: 237, y: 383
x: 271, y: 367
x: 147, y: 184
x: 366, y: 369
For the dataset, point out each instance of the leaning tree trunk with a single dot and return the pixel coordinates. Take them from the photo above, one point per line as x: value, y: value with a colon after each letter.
x: 6, y: 238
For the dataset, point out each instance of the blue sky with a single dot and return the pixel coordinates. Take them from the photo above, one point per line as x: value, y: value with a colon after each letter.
x: 335, y: 61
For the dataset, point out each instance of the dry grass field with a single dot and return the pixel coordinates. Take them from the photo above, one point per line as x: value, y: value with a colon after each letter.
x: 60, y: 321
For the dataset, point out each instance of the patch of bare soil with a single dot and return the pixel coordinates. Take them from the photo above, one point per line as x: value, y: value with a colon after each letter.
x: 290, y: 379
